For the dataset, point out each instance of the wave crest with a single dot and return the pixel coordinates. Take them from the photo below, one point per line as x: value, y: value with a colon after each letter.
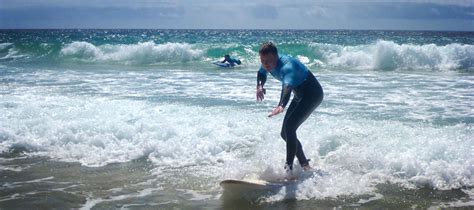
x: 380, y: 55
x: 388, y: 55
x: 140, y: 53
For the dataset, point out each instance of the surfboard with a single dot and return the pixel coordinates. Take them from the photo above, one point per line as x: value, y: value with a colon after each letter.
x: 235, y: 189
x: 236, y: 185
x: 251, y: 189
x: 258, y: 184
x: 222, y: 65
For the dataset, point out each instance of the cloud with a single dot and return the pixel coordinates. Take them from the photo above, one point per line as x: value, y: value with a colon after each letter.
x: 85, y: 17
x: 317, y: 11
x: 257, y: 14
x: 207, y: 3
x: 264, y: 11
x: 385, y: 10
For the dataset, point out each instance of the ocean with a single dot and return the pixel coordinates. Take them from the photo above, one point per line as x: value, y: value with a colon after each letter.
x: 141, y: 119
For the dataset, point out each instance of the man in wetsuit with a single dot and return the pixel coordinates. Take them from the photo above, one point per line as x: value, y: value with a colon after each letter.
x: 231, y: 61
x: 308, y: 94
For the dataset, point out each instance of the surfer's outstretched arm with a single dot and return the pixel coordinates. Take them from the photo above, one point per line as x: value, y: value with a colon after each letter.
x: 284, y: 98
x: 261, y: 79
x: 285, y: 95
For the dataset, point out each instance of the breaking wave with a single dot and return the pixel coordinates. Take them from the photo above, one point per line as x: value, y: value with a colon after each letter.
x: 140, y: 53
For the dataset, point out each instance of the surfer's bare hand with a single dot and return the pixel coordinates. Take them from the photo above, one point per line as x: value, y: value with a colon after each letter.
x: 276, y: 111
x: 260, y: 93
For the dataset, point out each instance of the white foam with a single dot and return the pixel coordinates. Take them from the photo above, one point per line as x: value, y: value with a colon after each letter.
x: 13, y: 53
x: 14, y: 168
x: 91, y: 202
x: 208, y: 125
x: 5, y: 45
x: 196, y: 195
x: 303, y: 59
x: 389, y: 55
x: 140, y: 53
x: 11, y: 197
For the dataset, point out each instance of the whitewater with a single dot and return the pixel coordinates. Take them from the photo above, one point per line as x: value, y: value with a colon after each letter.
x: 141, y: 119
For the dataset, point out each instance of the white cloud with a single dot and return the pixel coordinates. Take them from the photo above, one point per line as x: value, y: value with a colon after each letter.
x: 193, y: 3
x: 305, y: 14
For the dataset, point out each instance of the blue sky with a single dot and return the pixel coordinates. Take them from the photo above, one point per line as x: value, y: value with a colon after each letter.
x: 239, y: 14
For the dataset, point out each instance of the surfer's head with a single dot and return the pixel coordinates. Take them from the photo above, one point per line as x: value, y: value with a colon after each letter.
x: 268, y: 56
x: 268, y: 48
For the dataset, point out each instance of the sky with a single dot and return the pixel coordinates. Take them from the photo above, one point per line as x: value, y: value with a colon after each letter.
x: 444, y: 15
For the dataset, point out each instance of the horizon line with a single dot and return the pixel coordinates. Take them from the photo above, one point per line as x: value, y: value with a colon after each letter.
x: 245, y: 29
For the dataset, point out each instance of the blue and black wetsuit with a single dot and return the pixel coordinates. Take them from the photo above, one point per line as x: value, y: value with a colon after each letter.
x: 231, y: 61
x: 308, y: 94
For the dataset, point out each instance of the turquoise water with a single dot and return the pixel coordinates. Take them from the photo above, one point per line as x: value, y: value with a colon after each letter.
x: 142, y: 119
x: 387, y: 50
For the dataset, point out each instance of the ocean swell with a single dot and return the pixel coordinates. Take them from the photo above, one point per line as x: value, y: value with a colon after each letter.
x: 379, y: 55
x: 388, y: 55
x: 140, y: 53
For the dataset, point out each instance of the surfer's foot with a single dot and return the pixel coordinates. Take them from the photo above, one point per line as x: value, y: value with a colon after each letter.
x: 306, y: 167
x: 288, y: 168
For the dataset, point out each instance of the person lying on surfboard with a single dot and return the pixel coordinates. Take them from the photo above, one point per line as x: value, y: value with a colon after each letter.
x: 231, y: 61
x: 308, y: 94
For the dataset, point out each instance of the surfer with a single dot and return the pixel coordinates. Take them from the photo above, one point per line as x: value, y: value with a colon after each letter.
x: 231, y: 61
x: 308, y: 94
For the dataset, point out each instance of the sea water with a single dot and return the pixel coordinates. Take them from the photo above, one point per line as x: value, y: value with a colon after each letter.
x: 142, y: 119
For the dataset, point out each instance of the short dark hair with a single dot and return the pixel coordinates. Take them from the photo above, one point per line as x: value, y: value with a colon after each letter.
x: 268, y: 48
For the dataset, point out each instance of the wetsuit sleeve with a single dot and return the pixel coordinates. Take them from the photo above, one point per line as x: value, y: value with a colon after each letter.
x: 285, y: 95
x: 288, y: 71
x: 261, y: 77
